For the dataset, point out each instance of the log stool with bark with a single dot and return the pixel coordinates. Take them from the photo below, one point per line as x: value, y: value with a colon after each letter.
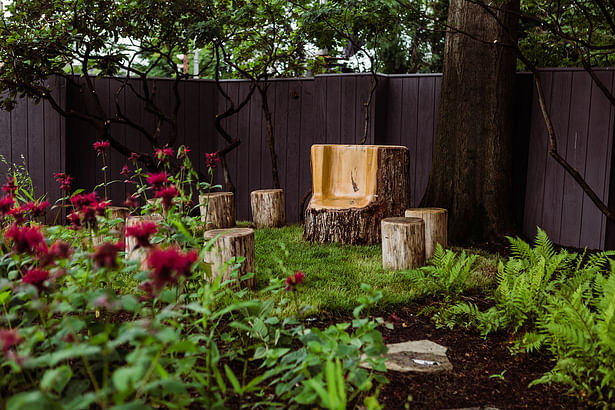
x: 403, y: 243
x: 268, y: 208
x: 354, y: 187
x: 218, y: 210
x: 436, y: 220
x: 131, y: 248
x: 229, y: 244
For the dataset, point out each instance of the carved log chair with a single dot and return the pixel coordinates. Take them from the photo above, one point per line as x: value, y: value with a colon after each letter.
x: 353, y: 188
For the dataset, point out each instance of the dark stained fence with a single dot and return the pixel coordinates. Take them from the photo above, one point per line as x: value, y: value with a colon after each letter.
x: 34, y: 135
x: 329, y: 109
x: 583, y: 122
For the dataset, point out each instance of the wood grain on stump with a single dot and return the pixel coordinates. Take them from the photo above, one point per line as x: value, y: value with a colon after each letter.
x: 436, y: 220
x: 268, y: 208
x: 132, y: 252
x: 403, y: 243
x: 119, y: 212
x: 218, y: 210
x: 352, y: 195
x: 231, y: 243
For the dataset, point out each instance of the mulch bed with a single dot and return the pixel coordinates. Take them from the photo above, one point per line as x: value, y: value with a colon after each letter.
x: 474, y: 359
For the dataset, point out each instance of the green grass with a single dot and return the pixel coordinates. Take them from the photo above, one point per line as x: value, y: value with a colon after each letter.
x: 334, y: 272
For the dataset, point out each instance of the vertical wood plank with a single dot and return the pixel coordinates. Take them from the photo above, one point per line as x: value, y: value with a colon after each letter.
x: 35, y: 155
x: 280, y: 127
x: 333, y: 110
x: 5, y: 141
x: 425, y: 136
x: 309, y: 100
x: 349, y: 132
x: 293, y: 151
x: 409, y: 130
x: 54, y: 147
x: 19, y: 133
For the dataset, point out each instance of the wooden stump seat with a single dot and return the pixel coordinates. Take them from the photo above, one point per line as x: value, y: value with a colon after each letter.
x: 268, y: 208
x: 230, y: 243
x: 436, y: 220
x: 218, y: 210
x: 132, y: 252
x: 353, y: 188
x: 403, y: 243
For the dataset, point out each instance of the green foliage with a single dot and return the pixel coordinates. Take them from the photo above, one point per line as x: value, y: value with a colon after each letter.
x: 446, y: 275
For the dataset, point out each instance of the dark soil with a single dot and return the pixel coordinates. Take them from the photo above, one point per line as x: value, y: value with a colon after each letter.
x: 474, y: 360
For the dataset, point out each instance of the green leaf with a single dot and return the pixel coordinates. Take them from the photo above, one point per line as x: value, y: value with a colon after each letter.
x: 56, y: 379
x: 231, y: 377
x: 32, y: 400
x: 126, y: 378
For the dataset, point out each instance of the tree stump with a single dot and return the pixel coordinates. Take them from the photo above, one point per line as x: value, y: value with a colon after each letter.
x: 119, y: 212
x: 403, y: 243
x: 218, y: 210
x: 268, y: 208
x: 230, y: 243
x: 354, y: 187
x: 436, y: 220
x: 132, y: 252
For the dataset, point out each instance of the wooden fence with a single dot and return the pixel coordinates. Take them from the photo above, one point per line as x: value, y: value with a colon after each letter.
x: 329, y: 109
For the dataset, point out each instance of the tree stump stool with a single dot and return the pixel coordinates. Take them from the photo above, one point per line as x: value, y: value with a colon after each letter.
x: 218, y: 210
x: 436, y: 220
x: 132, y: 252
x: 403, y: 243
x: 231, y: 243
x: 268, y: 208
x: 354, y: 187
x: 119, y: 229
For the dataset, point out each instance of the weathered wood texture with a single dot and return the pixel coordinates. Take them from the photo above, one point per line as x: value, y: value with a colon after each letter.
x: 436, y: 221
x: 362, y: 225
x: 228, y: 244
x: 36, y: 132
x: 218, y: 210
x: 403, y: 243
x: 583, y: 122
x: 268, y: 208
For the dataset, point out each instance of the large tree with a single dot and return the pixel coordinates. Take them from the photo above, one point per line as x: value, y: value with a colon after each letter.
x: 472, y: 166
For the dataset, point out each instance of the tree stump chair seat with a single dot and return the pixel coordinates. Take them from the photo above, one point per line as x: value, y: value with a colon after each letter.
x: 230, y: 243
x: 403, y: 243
x: 217, y: 210
x: 268, y: 208
x: 436, y: 220
x: 353, y: 188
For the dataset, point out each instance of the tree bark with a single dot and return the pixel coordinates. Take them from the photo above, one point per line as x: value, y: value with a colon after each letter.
x: 472, y: 161
x: 268, y: 208
x: 230, y: 243
x: 403, y: 243
x: 218, y: 210
x: 436, y: 220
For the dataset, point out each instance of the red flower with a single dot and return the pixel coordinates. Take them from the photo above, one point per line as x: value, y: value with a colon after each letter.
x: 125, y: 171
x: 158, y: 181
x: 11, y: 186
x: 75, y: 221
x: 9, y: 338
x: 64, y: 180
x: 101, y: 146
x: 101, y: 206
x: 293, y: 280
x: 35, y: 277
x: 6, y: 204
x: 141, y: 232
x: 37, y: 209
x: 167, y: 195
x: 105, y: 255
x: 19, y: 214
x: 212, y: 159
x: 134, y: 156
x: 26, y: 239
x: 164, y: 154
x: 182, y: 152
x: 131, y: 202
x: 81, y: 201
x: 168, y: 265
x: 60, y: 250
x: 148, y: 288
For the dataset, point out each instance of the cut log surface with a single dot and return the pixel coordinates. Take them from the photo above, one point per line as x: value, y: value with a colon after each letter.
x: 132, y: 252
x: 230, y: 243
x: 268, y: 208
x: 436, y: 220
x: 403, y: 243
x: 119, y: 212
x: 218, y: 210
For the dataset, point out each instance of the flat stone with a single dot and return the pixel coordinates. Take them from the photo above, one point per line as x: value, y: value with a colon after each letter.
x: 423, y: 356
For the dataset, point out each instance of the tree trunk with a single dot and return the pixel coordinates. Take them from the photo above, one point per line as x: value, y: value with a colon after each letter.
x: 231, y: 243
x: 268, y: 208
x: 472, y: 161
x: 403, y: 243
x: 436, y: 220
x: 218, y: 210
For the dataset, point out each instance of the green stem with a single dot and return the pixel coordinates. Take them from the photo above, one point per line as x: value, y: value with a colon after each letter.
x: 104, y: 169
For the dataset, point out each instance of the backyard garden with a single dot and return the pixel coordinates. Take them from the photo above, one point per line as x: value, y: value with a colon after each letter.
x: 91, y: 320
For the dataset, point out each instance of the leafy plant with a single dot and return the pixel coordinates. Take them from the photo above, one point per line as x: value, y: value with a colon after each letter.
x: 447, y: 274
